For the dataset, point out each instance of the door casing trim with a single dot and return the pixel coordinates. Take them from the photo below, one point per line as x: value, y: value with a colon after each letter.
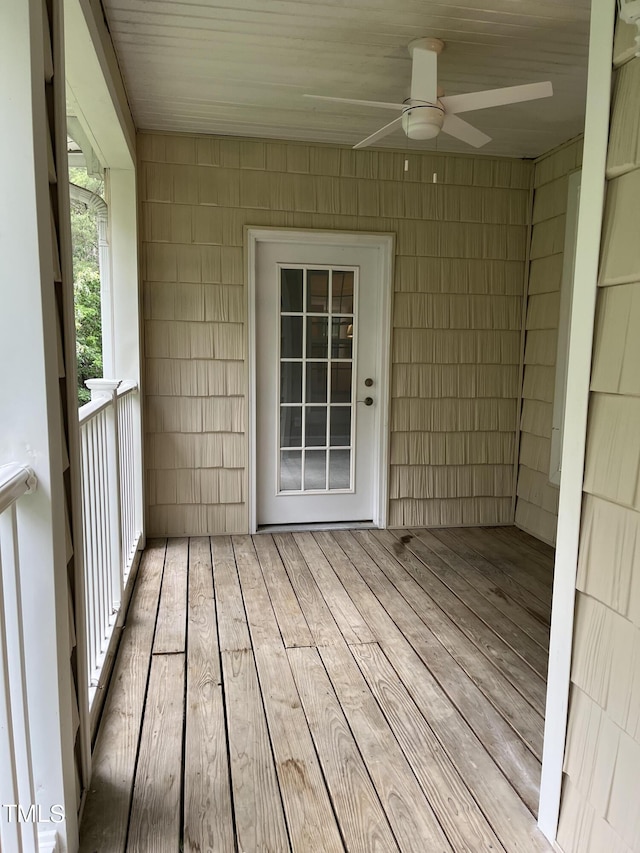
x: 385, y: 242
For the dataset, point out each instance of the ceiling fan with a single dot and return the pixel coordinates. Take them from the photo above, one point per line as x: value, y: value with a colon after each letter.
x: 427, y: 111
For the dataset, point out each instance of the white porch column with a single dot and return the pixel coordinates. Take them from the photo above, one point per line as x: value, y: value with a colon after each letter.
x: 31, y: 428
x: 126, y: 314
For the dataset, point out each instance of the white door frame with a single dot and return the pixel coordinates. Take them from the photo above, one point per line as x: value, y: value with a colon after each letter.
x: 581, y: 327
x: 385, y: 243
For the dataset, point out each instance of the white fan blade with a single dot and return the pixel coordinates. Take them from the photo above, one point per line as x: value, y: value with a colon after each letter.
x: 384, y: 131
x: 424, y: 75
x: 381, y: 104
x: 461, y: 129
x: 496, y: 97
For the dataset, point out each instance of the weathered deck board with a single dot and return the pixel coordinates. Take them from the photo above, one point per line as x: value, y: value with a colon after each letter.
x: 503, y: 743
x: 332, y: 701
x: 353, y: 627
x: 257, y: 804
x: 208, y: 818
x: 155, y: 807
x: 503, y: 580
x: 293, y: 625
x: 171, y: 627
x: 542, y: 547
x: 500, y: 599
x: 496, y: 636
x: 458, y: 813
x: 494, y: 550
x: 321, y: 623
x: 307, y: 806
x: 493, y: 677
x: 358, y: 808
x: 106, y: 813
x: 409, y: 812
x: 525, y: 554
x: 233, y: 632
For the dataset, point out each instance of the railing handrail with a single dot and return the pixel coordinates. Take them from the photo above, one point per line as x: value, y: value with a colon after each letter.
x: 92, y: 408
x: 15, y: 481
x: 126, y: 387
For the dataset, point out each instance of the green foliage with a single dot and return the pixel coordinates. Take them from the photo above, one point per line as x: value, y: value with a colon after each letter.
x: 86, y: 285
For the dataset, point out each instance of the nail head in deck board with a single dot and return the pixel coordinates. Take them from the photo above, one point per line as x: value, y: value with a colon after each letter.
x: 232, y: 623
x: 319, y: 619
x: 507, y: 605
x: 505, y: 810
x: 350, y: 622
x: 463, y: 822
x: 451, y: 627
x: 503, y: 580
x: 259, y: 818
x: 261, y: 619
x: 172, y: 613
x: 498, y: 637
x: 408, y: 810
x: 208, y: 819
x: 293, y: 625
x: 360, y: 814
x: 310, y: 818
x: 106, y: 810
x: 505, y: 744
x: 157, y: 791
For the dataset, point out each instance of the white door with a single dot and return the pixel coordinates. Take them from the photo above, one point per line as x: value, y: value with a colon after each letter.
x: 318, y: 372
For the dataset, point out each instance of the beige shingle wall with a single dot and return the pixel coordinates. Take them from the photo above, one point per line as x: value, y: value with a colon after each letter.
x: 602, y: 762
x: 537, y: 499
x: 456, y: 342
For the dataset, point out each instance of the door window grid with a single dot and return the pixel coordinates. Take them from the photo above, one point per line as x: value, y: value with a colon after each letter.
x: 316, y: 420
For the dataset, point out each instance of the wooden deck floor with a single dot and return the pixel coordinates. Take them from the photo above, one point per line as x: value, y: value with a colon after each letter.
x: 362, y: 691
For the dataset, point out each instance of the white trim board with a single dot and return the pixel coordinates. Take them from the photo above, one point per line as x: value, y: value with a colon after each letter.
x: 386, y: 244
x: 576, y: 405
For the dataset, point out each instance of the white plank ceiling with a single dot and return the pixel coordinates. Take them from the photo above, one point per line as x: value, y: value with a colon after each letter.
x: 241, y: 67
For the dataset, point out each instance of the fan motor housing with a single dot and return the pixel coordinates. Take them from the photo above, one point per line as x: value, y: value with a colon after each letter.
x: 422, y: 121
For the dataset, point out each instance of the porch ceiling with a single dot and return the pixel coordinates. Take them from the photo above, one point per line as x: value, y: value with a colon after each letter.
x: 242, y: 67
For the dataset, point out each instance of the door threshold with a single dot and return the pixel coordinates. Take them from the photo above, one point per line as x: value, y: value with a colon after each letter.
x: 323, y: 525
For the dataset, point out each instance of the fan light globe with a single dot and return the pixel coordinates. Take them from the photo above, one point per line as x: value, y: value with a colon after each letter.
x: 423, y: 122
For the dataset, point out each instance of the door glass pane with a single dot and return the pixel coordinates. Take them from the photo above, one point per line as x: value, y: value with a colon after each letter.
x: 290, y: 470
x: 315, y: 469
x: 291, y: 290
x: 340, y: 430
x: 317, y: 291
x: 341, y: 383
x: 342, y: 338
x: 291, y: 382
x: 290, y: 426
x: 316, y: 378
x: 316, y: 426
x: 291, y: 337
x: 342, y: 292
x: 316, y: 382
x: 339, y: 469
x: 317, y: 337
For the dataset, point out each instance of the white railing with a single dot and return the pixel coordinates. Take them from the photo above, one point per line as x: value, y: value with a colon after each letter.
x: 16, y: 769
x: 129, y: 523
x: 111, y: 525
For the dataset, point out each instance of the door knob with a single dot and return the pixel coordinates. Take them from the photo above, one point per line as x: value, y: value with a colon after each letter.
x: 368, y: 401
x: 368, y: 382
